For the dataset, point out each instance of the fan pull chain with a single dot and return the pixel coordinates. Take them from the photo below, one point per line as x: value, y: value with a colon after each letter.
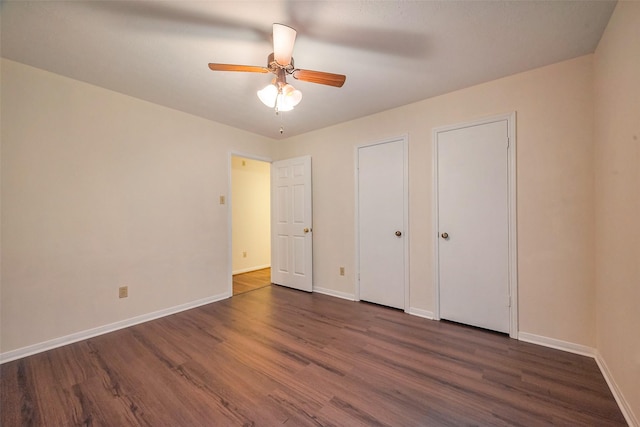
x: 280, y: 113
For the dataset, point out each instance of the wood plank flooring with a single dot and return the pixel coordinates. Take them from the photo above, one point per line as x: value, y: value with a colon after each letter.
x: 278, y: 356
x: 251, y: 281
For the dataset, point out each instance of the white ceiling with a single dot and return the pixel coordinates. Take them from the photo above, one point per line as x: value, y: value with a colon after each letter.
x: 392, y: 52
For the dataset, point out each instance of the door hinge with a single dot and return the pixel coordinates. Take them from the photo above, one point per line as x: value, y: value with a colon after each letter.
x: 508, y: 142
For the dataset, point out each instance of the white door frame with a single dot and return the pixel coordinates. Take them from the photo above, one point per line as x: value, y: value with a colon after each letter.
x: 229, y: 201
x: 511, y: 184
x: 405, y: 142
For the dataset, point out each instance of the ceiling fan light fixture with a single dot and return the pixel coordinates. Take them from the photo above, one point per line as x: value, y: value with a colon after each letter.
x: 283, y: 99
x: 283, y: 39
x: 291, y: 96
x: 282, y: 105
x: 268, y: 95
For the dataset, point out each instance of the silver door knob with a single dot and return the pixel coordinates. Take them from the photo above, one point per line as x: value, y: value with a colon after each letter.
x: 445, y: 235
x: 398, y: 233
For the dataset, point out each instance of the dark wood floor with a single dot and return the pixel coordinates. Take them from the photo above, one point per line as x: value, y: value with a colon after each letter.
x: 251, y: 281
x: 277, y: 356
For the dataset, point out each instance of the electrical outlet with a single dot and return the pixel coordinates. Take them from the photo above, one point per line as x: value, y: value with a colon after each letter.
x: 244, y: 254
x: 123, y: 292
x: 342, y: 271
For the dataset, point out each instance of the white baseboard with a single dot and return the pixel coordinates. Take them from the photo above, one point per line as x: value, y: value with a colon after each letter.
x: 333, y: 293
x: 570, y: 347
x: 250, y: 269
x: 100, y: 330
x: 625, y: 408
x: 420, y: 313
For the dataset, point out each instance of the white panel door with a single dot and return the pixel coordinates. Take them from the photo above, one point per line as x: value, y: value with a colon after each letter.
x: 291, y: 225
x: 473, y: 222
x: 381, y: 223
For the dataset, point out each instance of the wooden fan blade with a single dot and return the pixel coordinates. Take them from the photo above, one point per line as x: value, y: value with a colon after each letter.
x: 232, y: 67
x: 323, y: 78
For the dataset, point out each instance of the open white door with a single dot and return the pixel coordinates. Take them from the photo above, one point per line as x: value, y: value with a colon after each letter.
x: 291, y: 224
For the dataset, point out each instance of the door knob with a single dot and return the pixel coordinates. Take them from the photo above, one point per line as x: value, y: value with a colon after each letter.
x: 398, y: 233
x: 306, y: 230
x: 445, y: 235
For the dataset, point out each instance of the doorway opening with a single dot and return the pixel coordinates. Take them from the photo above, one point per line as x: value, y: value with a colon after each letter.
x: 250, y: 224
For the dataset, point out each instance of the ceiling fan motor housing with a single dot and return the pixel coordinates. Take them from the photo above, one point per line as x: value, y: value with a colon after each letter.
x: 274, y: 66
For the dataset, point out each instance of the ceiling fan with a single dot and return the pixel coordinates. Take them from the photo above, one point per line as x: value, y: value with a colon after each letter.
x: 279, y: 94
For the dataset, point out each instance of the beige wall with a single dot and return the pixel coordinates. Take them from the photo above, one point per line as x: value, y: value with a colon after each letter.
x: 251, y: 214
x: 617, y: 167
x: 554, y: 108
x: 101, y: 190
